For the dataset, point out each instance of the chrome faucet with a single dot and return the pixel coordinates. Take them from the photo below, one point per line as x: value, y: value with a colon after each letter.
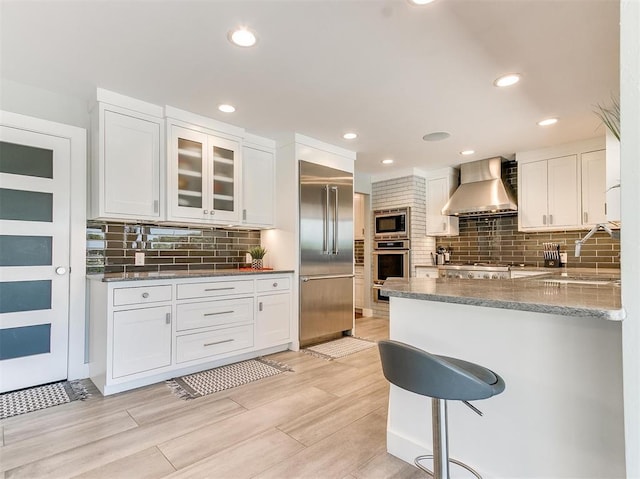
x: 603, y: 226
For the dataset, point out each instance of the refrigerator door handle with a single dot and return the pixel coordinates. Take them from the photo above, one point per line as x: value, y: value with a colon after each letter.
x: 325, y: 222
x: 306, y: 279
x: 335, y: 220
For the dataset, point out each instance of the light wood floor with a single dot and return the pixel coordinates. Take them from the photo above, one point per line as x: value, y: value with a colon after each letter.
x: 327, y: 419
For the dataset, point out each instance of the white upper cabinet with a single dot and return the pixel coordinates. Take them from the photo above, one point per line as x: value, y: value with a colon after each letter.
x: 562, y: 188
x: 549, y: 194
x: 359, y: 216
x: 258, y: 184
x: 440, y: 186
x: 204, y: 172
x: 125, y: 162
x: 594, y: 186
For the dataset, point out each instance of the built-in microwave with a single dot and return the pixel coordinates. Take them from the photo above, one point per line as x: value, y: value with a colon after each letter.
x: 392, y: 223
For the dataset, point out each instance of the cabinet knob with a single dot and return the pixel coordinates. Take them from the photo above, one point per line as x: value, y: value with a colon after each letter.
x: 212, y: 212
x: 145, y: 295
x: 206, y: 212
x: 275, y: 285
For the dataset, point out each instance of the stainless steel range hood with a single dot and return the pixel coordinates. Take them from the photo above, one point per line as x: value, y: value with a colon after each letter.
x: 481, y: 191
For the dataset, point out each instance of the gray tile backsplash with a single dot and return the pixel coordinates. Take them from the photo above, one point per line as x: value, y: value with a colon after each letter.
x: 111, y: 247
x: 498, y: 240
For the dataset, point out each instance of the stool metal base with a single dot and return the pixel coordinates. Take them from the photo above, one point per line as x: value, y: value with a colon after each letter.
x: 452, y: 461
x: 440, y: 432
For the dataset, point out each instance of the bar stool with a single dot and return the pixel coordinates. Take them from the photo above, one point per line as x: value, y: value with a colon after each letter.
x: 441, y: 378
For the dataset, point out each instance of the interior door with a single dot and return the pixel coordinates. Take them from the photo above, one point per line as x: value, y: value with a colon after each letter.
x: 34, y: 258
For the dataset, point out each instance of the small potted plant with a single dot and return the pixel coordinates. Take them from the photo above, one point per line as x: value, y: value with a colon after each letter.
x: 257, y: 253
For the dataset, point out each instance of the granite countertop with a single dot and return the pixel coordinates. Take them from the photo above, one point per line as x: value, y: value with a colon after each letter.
x: 544, y: 294
x: 182, y: 274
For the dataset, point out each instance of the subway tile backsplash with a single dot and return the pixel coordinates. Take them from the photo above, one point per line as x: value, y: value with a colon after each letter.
x: 497, y: 239
x: 111, y: 247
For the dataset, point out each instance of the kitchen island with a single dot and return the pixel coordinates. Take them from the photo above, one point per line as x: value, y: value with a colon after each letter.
x: 556, y: 341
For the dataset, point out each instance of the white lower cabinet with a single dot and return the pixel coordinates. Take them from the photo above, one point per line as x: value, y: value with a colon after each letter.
x: 141, y: 340
x: 358, y: 283
x: 273, y: 319
x: 146, y: 331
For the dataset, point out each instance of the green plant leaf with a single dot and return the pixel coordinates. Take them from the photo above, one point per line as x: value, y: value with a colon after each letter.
x: 610, y: 116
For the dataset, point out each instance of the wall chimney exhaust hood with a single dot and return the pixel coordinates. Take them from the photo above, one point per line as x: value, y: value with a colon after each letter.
x: 481, y: 191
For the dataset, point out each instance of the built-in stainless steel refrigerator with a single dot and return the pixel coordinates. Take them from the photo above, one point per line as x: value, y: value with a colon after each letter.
x: 326, y: 252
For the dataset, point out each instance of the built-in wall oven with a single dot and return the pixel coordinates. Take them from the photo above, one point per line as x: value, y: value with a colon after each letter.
x: 391, y: 259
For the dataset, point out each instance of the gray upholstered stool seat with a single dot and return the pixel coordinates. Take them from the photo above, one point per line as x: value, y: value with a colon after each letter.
x: 440, y: 378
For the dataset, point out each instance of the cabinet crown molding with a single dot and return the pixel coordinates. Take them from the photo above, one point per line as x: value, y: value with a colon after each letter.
x: 123, y: 101
x: 573, y: 148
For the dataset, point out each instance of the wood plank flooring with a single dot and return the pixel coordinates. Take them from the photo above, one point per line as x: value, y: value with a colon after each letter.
x: 326, y: 419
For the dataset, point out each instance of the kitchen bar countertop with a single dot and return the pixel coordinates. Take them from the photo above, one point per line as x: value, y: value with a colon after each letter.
x: 583, y: 294
x: 183, y: 274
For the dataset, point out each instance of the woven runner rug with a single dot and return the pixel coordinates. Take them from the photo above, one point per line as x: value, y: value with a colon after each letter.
x: 339, y: 348
x: 40, y: 397
x: 225, y: 377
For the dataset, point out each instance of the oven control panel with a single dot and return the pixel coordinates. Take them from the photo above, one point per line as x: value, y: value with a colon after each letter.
x: 466, y: 274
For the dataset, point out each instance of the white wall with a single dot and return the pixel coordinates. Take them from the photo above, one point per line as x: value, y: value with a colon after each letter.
x: 43, y: 104
x: 630, y: 232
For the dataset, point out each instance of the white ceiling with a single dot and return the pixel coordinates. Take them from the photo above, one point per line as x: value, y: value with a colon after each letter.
x: 386, y: 69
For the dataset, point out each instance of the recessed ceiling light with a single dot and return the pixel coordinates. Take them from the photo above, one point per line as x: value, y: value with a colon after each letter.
x: 226, y: 108
x: 243, y: 37
x: 350, y: 136
x: 467, y: 152
x: 420, y: 2
x: 388, y: 161
x: 436, y: 136
x: 507, y: 80
x: 548, y: 121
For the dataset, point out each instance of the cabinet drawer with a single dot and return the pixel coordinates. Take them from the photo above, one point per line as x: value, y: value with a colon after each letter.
x: 211, y: 343
x: 274, y: 284
x: 214, y: 313
x: 213, y: 289
x: 141, y: 295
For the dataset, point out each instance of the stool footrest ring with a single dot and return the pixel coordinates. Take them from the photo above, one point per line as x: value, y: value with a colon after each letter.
x: 453, y: 461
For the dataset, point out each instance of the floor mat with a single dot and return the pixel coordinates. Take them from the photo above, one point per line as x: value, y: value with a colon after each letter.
x: 225, y: 377
x: 40, y: 397
x: 339, y: 348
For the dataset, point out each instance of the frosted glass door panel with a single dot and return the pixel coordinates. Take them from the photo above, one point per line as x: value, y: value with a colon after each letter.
x: 189, y: 173
x: 18, y: 250
x: 25, y: 205
x: 223, y: 179
x: 25, y: 160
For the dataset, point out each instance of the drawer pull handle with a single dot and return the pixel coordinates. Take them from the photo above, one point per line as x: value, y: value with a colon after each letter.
x: 220, y: 312
x: 260, y: 306
x: 167, y: 318
x: 219, y: 289
x: 275, y: 285
x: 218, y: 342
x: 145, y: 295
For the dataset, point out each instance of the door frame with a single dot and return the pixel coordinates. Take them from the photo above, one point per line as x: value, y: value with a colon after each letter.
x: 78, y: 366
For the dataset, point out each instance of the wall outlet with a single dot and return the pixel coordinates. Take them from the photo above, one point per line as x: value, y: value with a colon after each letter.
x: 139, y: 261
x: 563, y: 258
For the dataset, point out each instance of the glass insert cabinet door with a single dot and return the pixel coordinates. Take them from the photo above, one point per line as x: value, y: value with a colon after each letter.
x: 188, y: 172
x: 224, y: 163
x: 34, y: 258
x: 204, y: 176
